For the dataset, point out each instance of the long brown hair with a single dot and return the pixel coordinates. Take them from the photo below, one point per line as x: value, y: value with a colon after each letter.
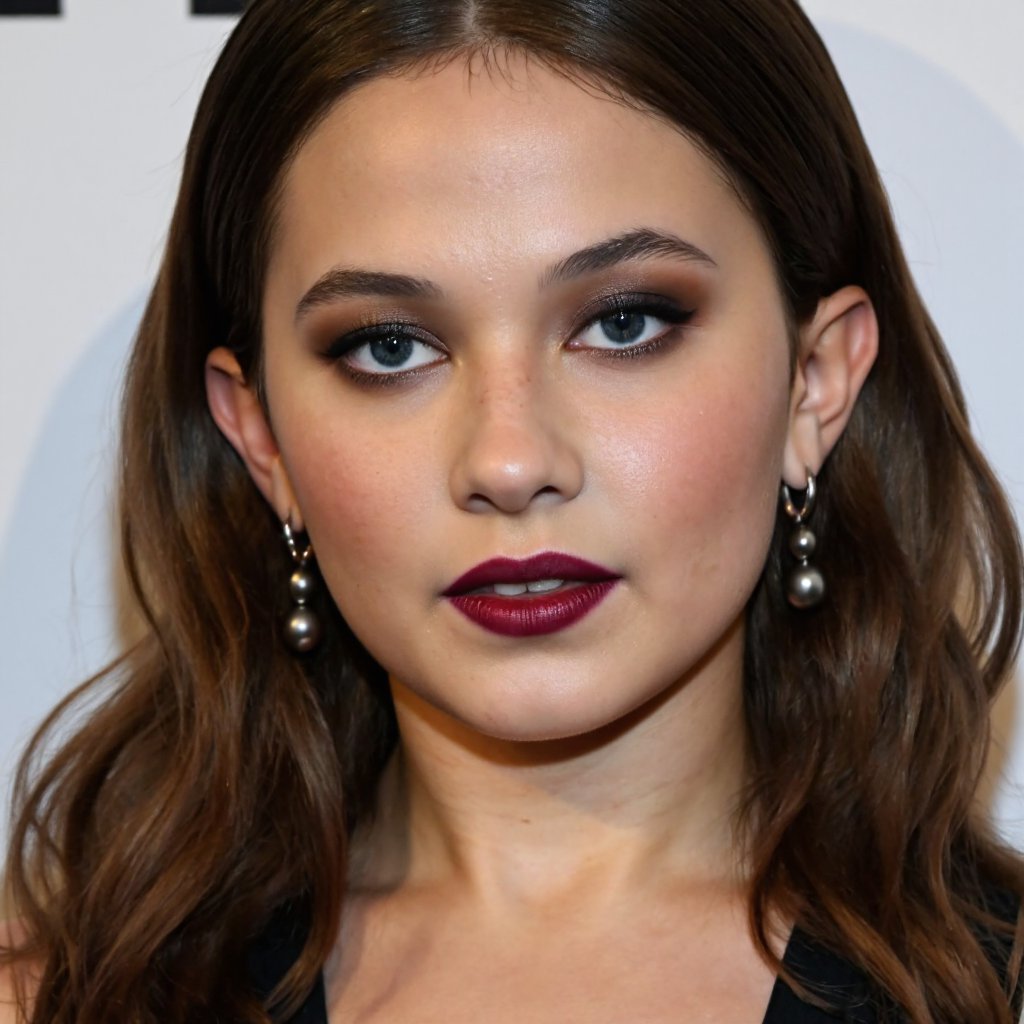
x: 218, y: 777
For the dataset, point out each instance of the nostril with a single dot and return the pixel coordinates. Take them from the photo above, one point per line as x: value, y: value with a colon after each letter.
x: 549, y: 491
x: 512, y: 501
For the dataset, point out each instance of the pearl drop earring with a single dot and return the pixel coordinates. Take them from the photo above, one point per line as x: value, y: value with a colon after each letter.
x: 805, y: 585
x: 302, y: 629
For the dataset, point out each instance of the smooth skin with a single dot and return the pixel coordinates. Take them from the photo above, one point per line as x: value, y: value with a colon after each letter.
x: 556, y: 836
x: 556, y: 839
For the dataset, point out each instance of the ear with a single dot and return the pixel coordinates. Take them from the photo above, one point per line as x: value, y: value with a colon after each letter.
x: 237, y: 411
x: 837, y: 349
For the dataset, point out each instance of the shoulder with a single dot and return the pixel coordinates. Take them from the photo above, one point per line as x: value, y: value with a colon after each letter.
x: 992, y: 912
x: 17, y: 979
x: 999, y: 934
x: 8, y: 1000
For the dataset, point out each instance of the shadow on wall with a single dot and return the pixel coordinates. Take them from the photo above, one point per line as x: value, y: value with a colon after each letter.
x: 954, y: 173
x: 67, y: 612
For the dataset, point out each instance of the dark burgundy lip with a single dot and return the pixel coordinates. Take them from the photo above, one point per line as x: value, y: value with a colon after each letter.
x: 549, y: 565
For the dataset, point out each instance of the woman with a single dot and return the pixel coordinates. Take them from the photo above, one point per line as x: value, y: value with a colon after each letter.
x: 485, y: 339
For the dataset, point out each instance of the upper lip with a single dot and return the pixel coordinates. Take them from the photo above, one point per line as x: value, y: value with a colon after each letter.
x: 548, y: 565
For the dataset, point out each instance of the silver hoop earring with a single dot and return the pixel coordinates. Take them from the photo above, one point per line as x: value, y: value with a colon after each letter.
x: 805, y: 585
x: 302, y: 629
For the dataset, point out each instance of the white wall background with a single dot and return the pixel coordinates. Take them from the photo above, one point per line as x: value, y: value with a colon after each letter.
x: 94, y: 112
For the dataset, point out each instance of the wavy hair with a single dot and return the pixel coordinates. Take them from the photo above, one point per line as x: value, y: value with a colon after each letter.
x: 217, y: 777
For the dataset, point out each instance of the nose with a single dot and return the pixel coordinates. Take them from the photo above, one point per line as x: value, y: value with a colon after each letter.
x: 513, y: 445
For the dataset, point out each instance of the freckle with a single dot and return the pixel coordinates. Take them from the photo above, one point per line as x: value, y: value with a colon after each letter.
x: 525, y: 821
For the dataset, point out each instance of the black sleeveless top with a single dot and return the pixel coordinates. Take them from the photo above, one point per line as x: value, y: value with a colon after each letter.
x: 826, y: 974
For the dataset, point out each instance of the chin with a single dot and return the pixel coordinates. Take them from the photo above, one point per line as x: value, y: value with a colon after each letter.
x: 542, y: 729
x: 539, y: 712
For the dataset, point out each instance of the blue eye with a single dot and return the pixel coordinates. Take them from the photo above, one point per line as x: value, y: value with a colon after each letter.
x: 627, y: 327
x: 633, y: 323
x: 384, y: 350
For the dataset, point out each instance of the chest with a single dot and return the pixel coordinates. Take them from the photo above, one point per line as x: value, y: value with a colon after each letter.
x: 445, y: 968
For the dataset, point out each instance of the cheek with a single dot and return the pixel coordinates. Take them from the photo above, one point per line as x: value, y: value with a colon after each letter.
x: 696, y: 474
x: 365, y: 493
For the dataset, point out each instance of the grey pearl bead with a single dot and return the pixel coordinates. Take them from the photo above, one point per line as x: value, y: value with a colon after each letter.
x: 802, y: 542
x: 302, y: 630
x: 301, y: 584
x: 805, y: 587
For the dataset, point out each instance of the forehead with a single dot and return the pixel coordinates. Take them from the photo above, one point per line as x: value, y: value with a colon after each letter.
x: 460, y: 166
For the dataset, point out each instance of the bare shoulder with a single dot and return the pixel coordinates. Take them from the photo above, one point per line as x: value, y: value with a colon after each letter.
x: 15, y: 979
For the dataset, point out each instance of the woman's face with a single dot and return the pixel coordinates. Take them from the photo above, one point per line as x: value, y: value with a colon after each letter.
x: 504, y: 316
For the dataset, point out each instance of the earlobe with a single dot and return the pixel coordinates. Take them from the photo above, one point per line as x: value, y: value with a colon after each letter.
x: 837, y: 350
x: 240, y: 416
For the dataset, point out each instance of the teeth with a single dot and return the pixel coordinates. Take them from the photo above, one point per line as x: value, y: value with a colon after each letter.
x: 533, y: 587
x: 539, y: 586
x: 509, y: 589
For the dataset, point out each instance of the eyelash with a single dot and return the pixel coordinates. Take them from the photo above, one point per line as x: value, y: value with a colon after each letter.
x: 657, y: 306
x: 336, y: 352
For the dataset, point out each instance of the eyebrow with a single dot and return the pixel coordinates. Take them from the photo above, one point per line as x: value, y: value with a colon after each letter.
x: 643, y: 243
x: 342, y: 283
x: 639, y: 244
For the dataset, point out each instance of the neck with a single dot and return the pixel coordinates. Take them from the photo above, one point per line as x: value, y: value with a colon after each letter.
x: 647, y: 800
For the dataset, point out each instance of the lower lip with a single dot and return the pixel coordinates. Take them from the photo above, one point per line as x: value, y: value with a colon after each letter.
x: 533, y: 615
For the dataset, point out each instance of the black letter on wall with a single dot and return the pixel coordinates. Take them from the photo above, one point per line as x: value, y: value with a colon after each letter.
x: 29, y: 7
x: 217, y: 6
